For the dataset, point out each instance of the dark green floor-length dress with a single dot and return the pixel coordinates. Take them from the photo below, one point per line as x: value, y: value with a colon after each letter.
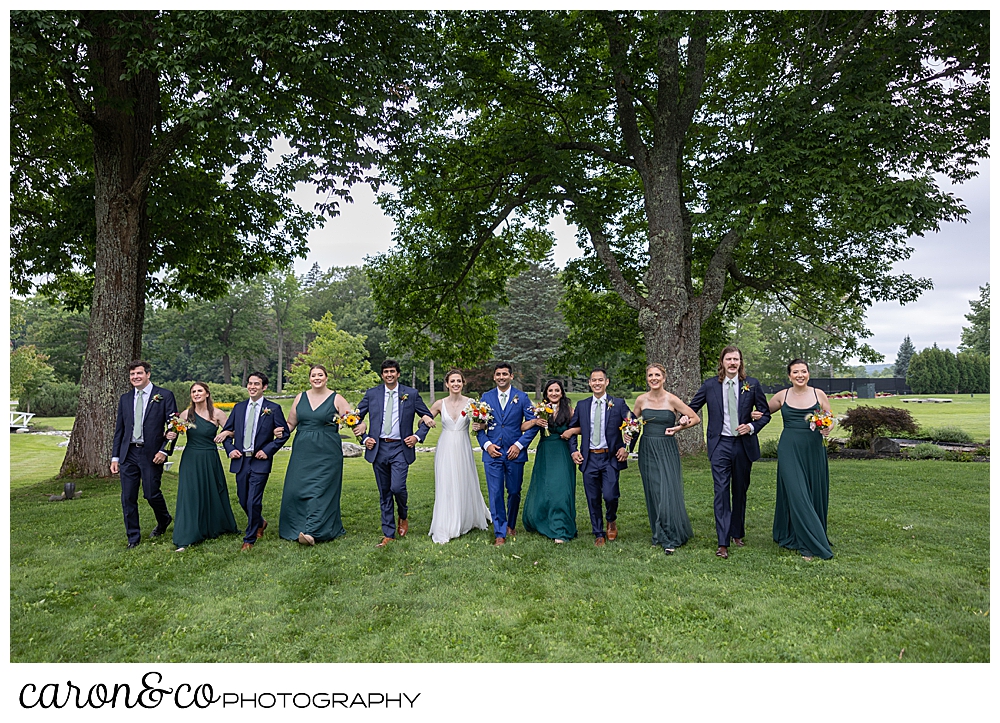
x: 203, y: 509
x: 660, y: 469
x: 550, y: 505
x: 310, y: 500
x: 803, y: 494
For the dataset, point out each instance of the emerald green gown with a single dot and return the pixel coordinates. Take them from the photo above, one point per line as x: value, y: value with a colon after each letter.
x: 550, y: 505
x: 803, y: 486
x: 310, y: 500
x: 660, y: 469
x: 203, y: 509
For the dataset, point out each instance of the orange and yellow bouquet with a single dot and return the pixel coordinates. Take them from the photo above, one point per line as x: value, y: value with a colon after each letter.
x: 631, y: 427
x: 543, y: 410
x: 479, y: 413
x: 820, y: 420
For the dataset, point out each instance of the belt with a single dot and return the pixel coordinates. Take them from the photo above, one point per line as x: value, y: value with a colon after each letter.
x: 136, y: 444
x: 599, y: 451
x: 386, y: 439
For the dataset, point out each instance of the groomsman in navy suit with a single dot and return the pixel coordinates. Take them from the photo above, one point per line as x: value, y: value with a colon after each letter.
x: 732, y: 441
x: 139, y: 449
x: 392, y: 407
x: 505, y: 450
x: 251, y: 447
x: 602, y: 454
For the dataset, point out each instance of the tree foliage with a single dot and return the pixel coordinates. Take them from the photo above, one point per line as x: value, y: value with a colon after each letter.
x: 866, y: 423
x: 28, y: 370
x: 939, y: 371
x: 903, y: 356
x: 976, y: 336
x: 343, y: 355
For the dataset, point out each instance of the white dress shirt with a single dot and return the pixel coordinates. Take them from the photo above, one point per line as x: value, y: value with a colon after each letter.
x: 394, y: 432
x: 602, y: 423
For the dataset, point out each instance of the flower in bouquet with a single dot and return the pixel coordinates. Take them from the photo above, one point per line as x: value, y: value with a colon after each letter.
x: 178, y: 426
x: 631, y: 427
x: 351, y: 419
x: 820, y: 420
x: 479, y: 413
x: 544, y: 410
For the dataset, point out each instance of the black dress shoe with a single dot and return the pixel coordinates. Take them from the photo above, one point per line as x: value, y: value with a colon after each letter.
x: 160, y: 529
x: 133, y: 545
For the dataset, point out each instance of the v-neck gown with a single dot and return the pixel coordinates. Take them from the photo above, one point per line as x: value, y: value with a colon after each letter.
x: 458, y: 499
x: 803, y: 494
x: 310, y: 500
x: 203, y: 508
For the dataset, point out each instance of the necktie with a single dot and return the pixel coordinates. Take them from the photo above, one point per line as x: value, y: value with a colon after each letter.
x: 733, y: 420
x: 387, y: 416
x: 137, y: 417
x: 503, y: 400
x: 248, y: 427
x: 595, y: 434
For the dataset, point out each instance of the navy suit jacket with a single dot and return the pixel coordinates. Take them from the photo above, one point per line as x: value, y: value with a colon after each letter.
x: 154, y: 423
x: 710, y: 393
x: 410, y: 405
x: 264, y: 439
x: 505, y: 429
x: 614, y: 415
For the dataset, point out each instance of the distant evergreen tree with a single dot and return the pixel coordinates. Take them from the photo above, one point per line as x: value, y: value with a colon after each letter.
x: 918, y: 375
x: 903, y: 356
x: 976, y: 337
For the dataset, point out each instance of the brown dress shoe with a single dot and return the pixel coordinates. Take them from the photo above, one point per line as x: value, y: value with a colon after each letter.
x: 499, y: 541
x: 511, y: 532
x: 722, y: 552
x: 403, y: 527
x: 246, y: 546
x: 599, y: 542
x: 738, y: 541
x: 612, y: 531
x: 385, y: 541
x: 260, y: 530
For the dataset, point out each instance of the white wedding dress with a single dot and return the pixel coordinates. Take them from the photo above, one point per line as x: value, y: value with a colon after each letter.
x: 458, y: 499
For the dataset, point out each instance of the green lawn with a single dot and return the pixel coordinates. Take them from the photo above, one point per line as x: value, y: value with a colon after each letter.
x: 910, y: 572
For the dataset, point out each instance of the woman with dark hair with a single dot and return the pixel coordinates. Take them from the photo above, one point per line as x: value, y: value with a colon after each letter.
x: 550, y: 505
x: 203, y: 507
x: 664, y: 415
x: 803, y: 494
x: 458, y: 498
x: 310, y: 500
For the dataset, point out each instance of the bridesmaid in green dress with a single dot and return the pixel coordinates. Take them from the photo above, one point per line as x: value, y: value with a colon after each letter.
x: 550, y: 505
x: 660, y: 460
x: 803, y: 495
x: 203, y: 507
x: 310, y: 500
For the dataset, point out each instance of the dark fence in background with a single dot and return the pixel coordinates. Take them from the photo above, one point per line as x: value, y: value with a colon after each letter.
x: 866, y: 387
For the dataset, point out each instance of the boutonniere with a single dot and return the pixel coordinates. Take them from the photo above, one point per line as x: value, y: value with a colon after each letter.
x: 404, y: 397
x: 156, y: 398
x: 265, y: 411
x: 514, y: 401
x: 745, y: 387
x: 610, y: 404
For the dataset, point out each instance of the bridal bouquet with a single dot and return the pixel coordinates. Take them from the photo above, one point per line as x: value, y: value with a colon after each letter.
x: 820, y: 419
x: 478, y: 413
x: 631, y: 427
x: 351, y: 419
x: 178, y: 426
x: 544, y: 410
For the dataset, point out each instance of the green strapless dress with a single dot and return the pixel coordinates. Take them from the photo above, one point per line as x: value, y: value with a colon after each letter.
x: 660, y: 469
x: 803, y: 495
x: 550, y: 505
x: 203, y: 508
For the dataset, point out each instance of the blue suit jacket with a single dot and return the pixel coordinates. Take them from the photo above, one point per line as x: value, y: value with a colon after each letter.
x: 710, y: 394
x: 613, y: 418
x: 410, y: 406
x: 153, y: 423
x: 264, y: 440
x: 506, y: 426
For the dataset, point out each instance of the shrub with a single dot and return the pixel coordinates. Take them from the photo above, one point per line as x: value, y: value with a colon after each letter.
x: 954, y: 435
x: 983, y: 450
x: 769, y: 448
x: 52, y: 400
x: 866, y: 423
x: 926, y: 450
x: 220, y: 392
x: 955, y: 456
x: 832, y: 447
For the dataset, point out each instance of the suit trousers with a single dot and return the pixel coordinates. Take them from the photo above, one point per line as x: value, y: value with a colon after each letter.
x: 250, y: 492
x: 134, y: 470
x: 730, y: 474
x: 600, y: 480
x: 503, y: 474
x: 390, y: 475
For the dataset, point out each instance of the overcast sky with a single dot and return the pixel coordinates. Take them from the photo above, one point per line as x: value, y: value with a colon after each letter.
x: 956, y: 259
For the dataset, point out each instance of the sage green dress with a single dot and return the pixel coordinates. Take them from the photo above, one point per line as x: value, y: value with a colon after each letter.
x: 310, y: 500
x: 203, y: 508
x: 660, y: 469
x: 803, y: 495
x: 550, y: 505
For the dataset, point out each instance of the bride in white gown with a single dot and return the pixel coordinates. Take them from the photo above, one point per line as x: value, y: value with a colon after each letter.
x: 458, y: 499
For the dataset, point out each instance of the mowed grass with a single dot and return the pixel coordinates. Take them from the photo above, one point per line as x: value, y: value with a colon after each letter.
x: 909, y: 580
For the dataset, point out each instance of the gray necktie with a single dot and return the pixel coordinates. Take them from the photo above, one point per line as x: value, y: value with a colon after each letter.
x: 733, y: 419
x: 387, y: 416
x: 137, y: 418
x: 248, y: 427
x: 503, y: 400
x: 598, y: 423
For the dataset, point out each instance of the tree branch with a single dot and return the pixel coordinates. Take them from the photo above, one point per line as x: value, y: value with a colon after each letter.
x: 163, y: 149
x: 83, y: 109
x: 598, y: 150
x: 826, y: 72
x: 618, y: 281
x: 624, y: 100
x: 715, y: 275
x: 697, y: 52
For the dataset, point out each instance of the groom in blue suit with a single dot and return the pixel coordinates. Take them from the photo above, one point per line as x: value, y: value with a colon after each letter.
x: 392, y: 407
x: 732, y: 441
x: 505, y: 449
x: 251, y: 447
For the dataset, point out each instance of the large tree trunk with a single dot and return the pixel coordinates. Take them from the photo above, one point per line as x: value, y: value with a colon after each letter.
x: 122, y: 131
